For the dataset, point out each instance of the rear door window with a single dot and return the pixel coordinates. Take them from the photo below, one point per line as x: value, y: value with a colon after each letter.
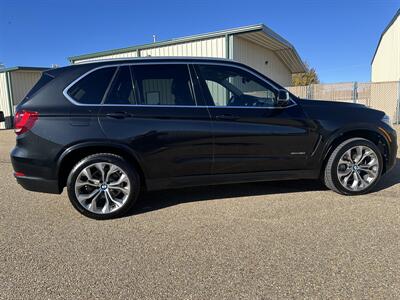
x: 167, y: 84
x: 91, y: 88
x: 122, y: 89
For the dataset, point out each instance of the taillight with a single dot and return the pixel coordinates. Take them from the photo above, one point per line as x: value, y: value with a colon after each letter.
x: 24, y: 121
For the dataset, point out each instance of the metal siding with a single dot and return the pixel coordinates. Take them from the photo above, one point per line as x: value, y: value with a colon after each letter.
x: 120, y: 55
x: 259, y: 34
x: 22, y: 82
x: 205, y: 48
x: 4, y: 105
x: 386, y: 64
x: 162, y: 87
x: 218, y: 93
x: 255, y: 56
x: 287, y: 54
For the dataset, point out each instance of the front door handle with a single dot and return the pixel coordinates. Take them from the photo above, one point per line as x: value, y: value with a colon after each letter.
x: 227, y: 117
x: 119, y: 115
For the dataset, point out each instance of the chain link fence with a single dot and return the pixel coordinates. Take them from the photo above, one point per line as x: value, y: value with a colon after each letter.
x: 384, y: 96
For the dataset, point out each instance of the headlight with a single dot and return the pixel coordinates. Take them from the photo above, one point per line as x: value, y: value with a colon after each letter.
x: 387, y: 120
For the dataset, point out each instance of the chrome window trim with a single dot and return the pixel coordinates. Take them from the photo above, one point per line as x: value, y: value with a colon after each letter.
x: 73, y: 101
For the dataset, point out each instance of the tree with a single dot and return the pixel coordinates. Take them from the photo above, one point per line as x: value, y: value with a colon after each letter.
x: 309, y: 77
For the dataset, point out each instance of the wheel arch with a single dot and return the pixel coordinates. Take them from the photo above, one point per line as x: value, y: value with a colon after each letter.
x: 73, y: 154
x: 372, y: 134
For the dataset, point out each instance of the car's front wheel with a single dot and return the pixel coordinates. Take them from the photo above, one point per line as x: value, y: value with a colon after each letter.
x: 354, y: 167
x: 103, y: 186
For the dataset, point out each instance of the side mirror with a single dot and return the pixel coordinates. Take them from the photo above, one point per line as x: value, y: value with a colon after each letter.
x: 283, y: 97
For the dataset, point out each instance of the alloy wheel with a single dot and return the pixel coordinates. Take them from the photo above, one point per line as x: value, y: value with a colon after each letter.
x: 102, y: 188
x: 358, y: 168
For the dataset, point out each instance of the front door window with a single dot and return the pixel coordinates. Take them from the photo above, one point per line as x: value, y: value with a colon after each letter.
x: 230, y: 86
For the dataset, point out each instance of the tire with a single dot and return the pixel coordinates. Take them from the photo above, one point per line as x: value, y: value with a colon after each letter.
x: 366, y: 176
x: 113, y: 183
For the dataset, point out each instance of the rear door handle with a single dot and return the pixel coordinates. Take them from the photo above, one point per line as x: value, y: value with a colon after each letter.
x: 119, y: 115
x: 227, y: 117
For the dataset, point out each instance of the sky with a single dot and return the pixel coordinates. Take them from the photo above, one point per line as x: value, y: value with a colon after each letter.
x: 337, y: 38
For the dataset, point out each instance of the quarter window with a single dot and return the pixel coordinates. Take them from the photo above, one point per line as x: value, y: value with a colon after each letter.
x: 167, y: 84
x: 121, y: 90
x: 230, y: 86
x: 91, y: 88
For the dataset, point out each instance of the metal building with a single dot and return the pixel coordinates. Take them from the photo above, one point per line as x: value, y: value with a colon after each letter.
x: 386, y: 60
x: 15, y: 83
x: 257, y: 46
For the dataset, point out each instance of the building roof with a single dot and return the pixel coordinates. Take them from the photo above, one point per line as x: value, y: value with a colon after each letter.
x: 383, y: 33
x: 20, y: 68
x: 259, y: 34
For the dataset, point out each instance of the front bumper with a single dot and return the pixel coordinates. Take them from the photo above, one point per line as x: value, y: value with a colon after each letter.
x: 391, y: 139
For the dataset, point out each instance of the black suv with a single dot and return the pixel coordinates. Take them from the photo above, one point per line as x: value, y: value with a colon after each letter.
x: 111, y: 129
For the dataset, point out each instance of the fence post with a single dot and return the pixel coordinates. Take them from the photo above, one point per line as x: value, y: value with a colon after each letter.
x: 398, y: 103
x: 309, y: 91
x: 355, y: 93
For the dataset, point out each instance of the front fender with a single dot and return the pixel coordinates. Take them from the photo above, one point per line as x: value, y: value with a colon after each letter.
x: 361, y: 130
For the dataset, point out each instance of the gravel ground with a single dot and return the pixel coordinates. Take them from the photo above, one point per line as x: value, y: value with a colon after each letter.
x: 250, y: 241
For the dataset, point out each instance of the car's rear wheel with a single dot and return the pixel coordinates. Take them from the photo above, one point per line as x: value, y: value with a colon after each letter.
x: 354, y: 167
x: 103, y: 186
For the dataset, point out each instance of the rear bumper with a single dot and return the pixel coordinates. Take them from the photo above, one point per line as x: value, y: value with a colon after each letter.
x: 39, y: 185
x: 38, y: 172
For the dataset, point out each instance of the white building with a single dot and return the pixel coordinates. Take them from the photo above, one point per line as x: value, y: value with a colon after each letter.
x: 15, y: 83
x: 386, y: 60
x: 256, y: 46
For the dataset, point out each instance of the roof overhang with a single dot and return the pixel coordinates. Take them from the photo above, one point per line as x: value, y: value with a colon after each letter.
x: 283, y: 49
x: 383, y: 33
x: 19, y: 68
x: 259, y: 34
